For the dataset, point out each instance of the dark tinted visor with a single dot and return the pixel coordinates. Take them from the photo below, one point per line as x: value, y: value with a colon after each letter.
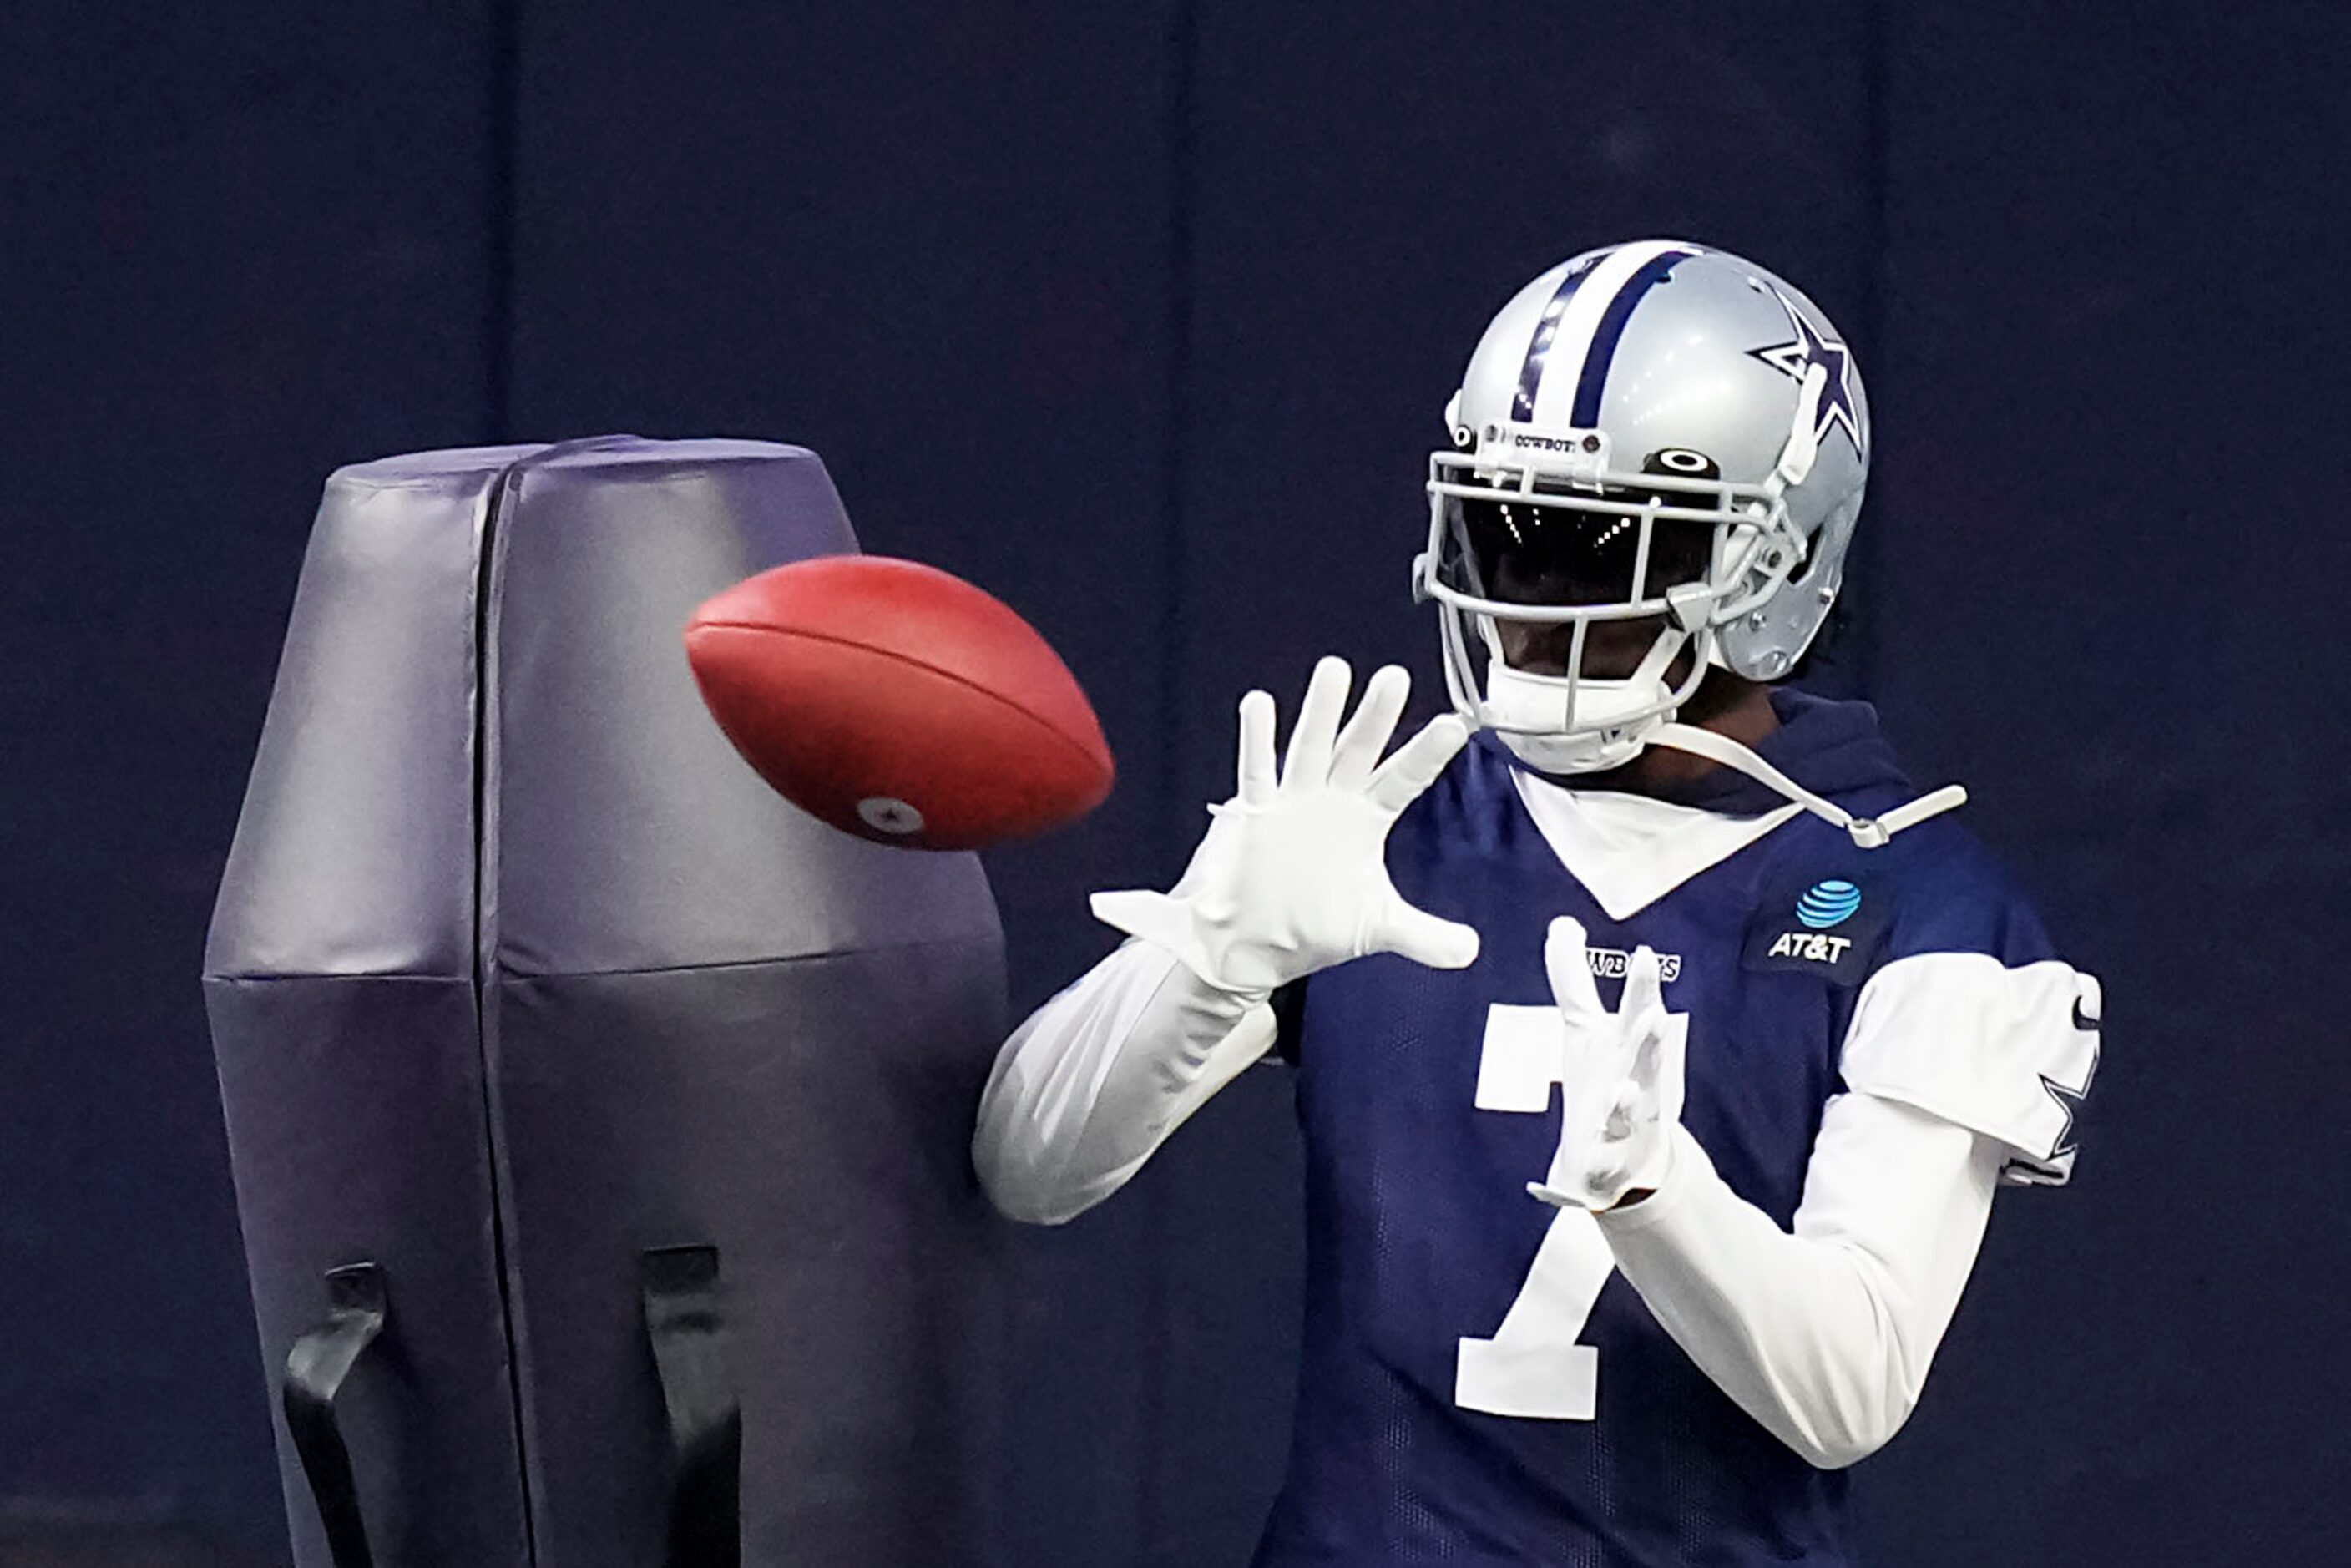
x: 1555, y: 552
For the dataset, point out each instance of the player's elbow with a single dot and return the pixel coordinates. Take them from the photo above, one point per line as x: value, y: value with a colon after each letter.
x: 1014, y: 1180
x: 1027, y: 1209
x: 1017, y: 1147
x: 1859, y: 1416
x: 1029, y: 1181
x: 1868, y: 1371
x: 1839, y: 1446
x: 1020, y: 1195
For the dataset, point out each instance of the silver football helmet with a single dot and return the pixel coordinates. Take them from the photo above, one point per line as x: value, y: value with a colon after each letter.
x: 1652, y: 431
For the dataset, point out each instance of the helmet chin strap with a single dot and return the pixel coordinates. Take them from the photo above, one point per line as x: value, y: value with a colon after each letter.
x: 1531, y: 714
x: 1515, y: 698
x: 1868, y: 833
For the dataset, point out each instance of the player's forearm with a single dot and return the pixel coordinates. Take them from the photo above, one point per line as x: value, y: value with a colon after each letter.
x: 1094, y: 1081
x: 1795, y: 1333
x: 1824, y: 1336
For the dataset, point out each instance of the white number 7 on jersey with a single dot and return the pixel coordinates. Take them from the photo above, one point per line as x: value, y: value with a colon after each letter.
x: 1534, y: 1368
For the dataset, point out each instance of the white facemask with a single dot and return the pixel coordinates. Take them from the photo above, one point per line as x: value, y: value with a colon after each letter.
x: 1614, y: 719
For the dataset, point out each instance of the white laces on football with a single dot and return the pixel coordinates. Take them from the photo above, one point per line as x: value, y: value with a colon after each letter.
x: 1869, y: 833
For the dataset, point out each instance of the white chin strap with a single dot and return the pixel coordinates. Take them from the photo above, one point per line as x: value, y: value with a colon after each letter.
x: 1614, y: 720
x: 1513, y: 696
x: 1869, y: 833
x: 1611, y: 720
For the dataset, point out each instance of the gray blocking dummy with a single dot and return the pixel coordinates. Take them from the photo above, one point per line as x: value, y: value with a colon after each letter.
x: 600, y: 1122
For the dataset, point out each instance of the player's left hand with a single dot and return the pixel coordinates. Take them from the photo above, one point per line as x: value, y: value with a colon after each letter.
x: 1621, y: 1081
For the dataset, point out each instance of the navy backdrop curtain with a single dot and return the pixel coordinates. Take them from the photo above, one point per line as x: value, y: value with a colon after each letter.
x: 1143, y: 317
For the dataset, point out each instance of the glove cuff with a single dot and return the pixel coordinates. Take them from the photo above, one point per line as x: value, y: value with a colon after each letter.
x: 1174, y: 926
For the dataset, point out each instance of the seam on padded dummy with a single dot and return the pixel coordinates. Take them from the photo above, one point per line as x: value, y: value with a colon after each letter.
x: 915, y: 945
x: 415, y: 978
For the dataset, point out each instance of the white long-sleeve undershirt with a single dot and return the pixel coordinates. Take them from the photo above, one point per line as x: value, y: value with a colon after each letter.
x: 1822, y: 1334
x: 1095, y: 1080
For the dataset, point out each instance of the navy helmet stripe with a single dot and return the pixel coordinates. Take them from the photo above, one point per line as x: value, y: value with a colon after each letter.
x: 1522, y: 407
x: 1604, y: 336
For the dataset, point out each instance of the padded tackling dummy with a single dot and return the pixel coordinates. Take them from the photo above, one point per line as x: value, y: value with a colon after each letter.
x: 600, y: 1122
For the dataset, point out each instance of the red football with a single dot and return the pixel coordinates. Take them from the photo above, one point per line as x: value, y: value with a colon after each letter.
x: 898, y: 703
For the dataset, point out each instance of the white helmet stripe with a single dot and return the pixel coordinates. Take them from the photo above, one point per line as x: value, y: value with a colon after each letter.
x: 1571, y: 343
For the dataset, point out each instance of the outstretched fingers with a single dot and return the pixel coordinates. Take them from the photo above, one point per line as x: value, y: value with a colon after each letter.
x: 1256, y: 784
x: 1643, y: 1016
x: 1368, y: 729
x: 1307, y: 763
x: 1425, y: 938
x: 1645, y: 989
x: 1398, y: 782
x: 1568, y: 962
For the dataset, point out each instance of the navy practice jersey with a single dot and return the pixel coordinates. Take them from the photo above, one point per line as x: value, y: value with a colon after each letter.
x: 1477, y: 1385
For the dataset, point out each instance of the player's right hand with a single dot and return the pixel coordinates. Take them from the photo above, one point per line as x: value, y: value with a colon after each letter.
x: 1620, y: 1078
x: 1292, y: 875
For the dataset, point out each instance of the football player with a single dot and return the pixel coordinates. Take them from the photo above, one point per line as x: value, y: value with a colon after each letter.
x: 1659, y: 1046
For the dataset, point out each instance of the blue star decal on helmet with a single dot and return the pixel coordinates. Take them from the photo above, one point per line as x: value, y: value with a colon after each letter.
x: 1807, y: 348
x: 2070, y: 1102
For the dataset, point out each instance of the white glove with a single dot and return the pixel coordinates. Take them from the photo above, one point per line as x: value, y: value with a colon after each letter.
x: 1621, y: 1082
x: 1292, y: 876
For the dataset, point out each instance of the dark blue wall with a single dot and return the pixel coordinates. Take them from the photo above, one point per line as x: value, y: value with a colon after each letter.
x: 1142, y: 317
x: 238, y: 245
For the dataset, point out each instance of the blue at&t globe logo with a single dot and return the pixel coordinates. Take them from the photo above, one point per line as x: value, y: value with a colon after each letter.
x: 1827, y: 904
